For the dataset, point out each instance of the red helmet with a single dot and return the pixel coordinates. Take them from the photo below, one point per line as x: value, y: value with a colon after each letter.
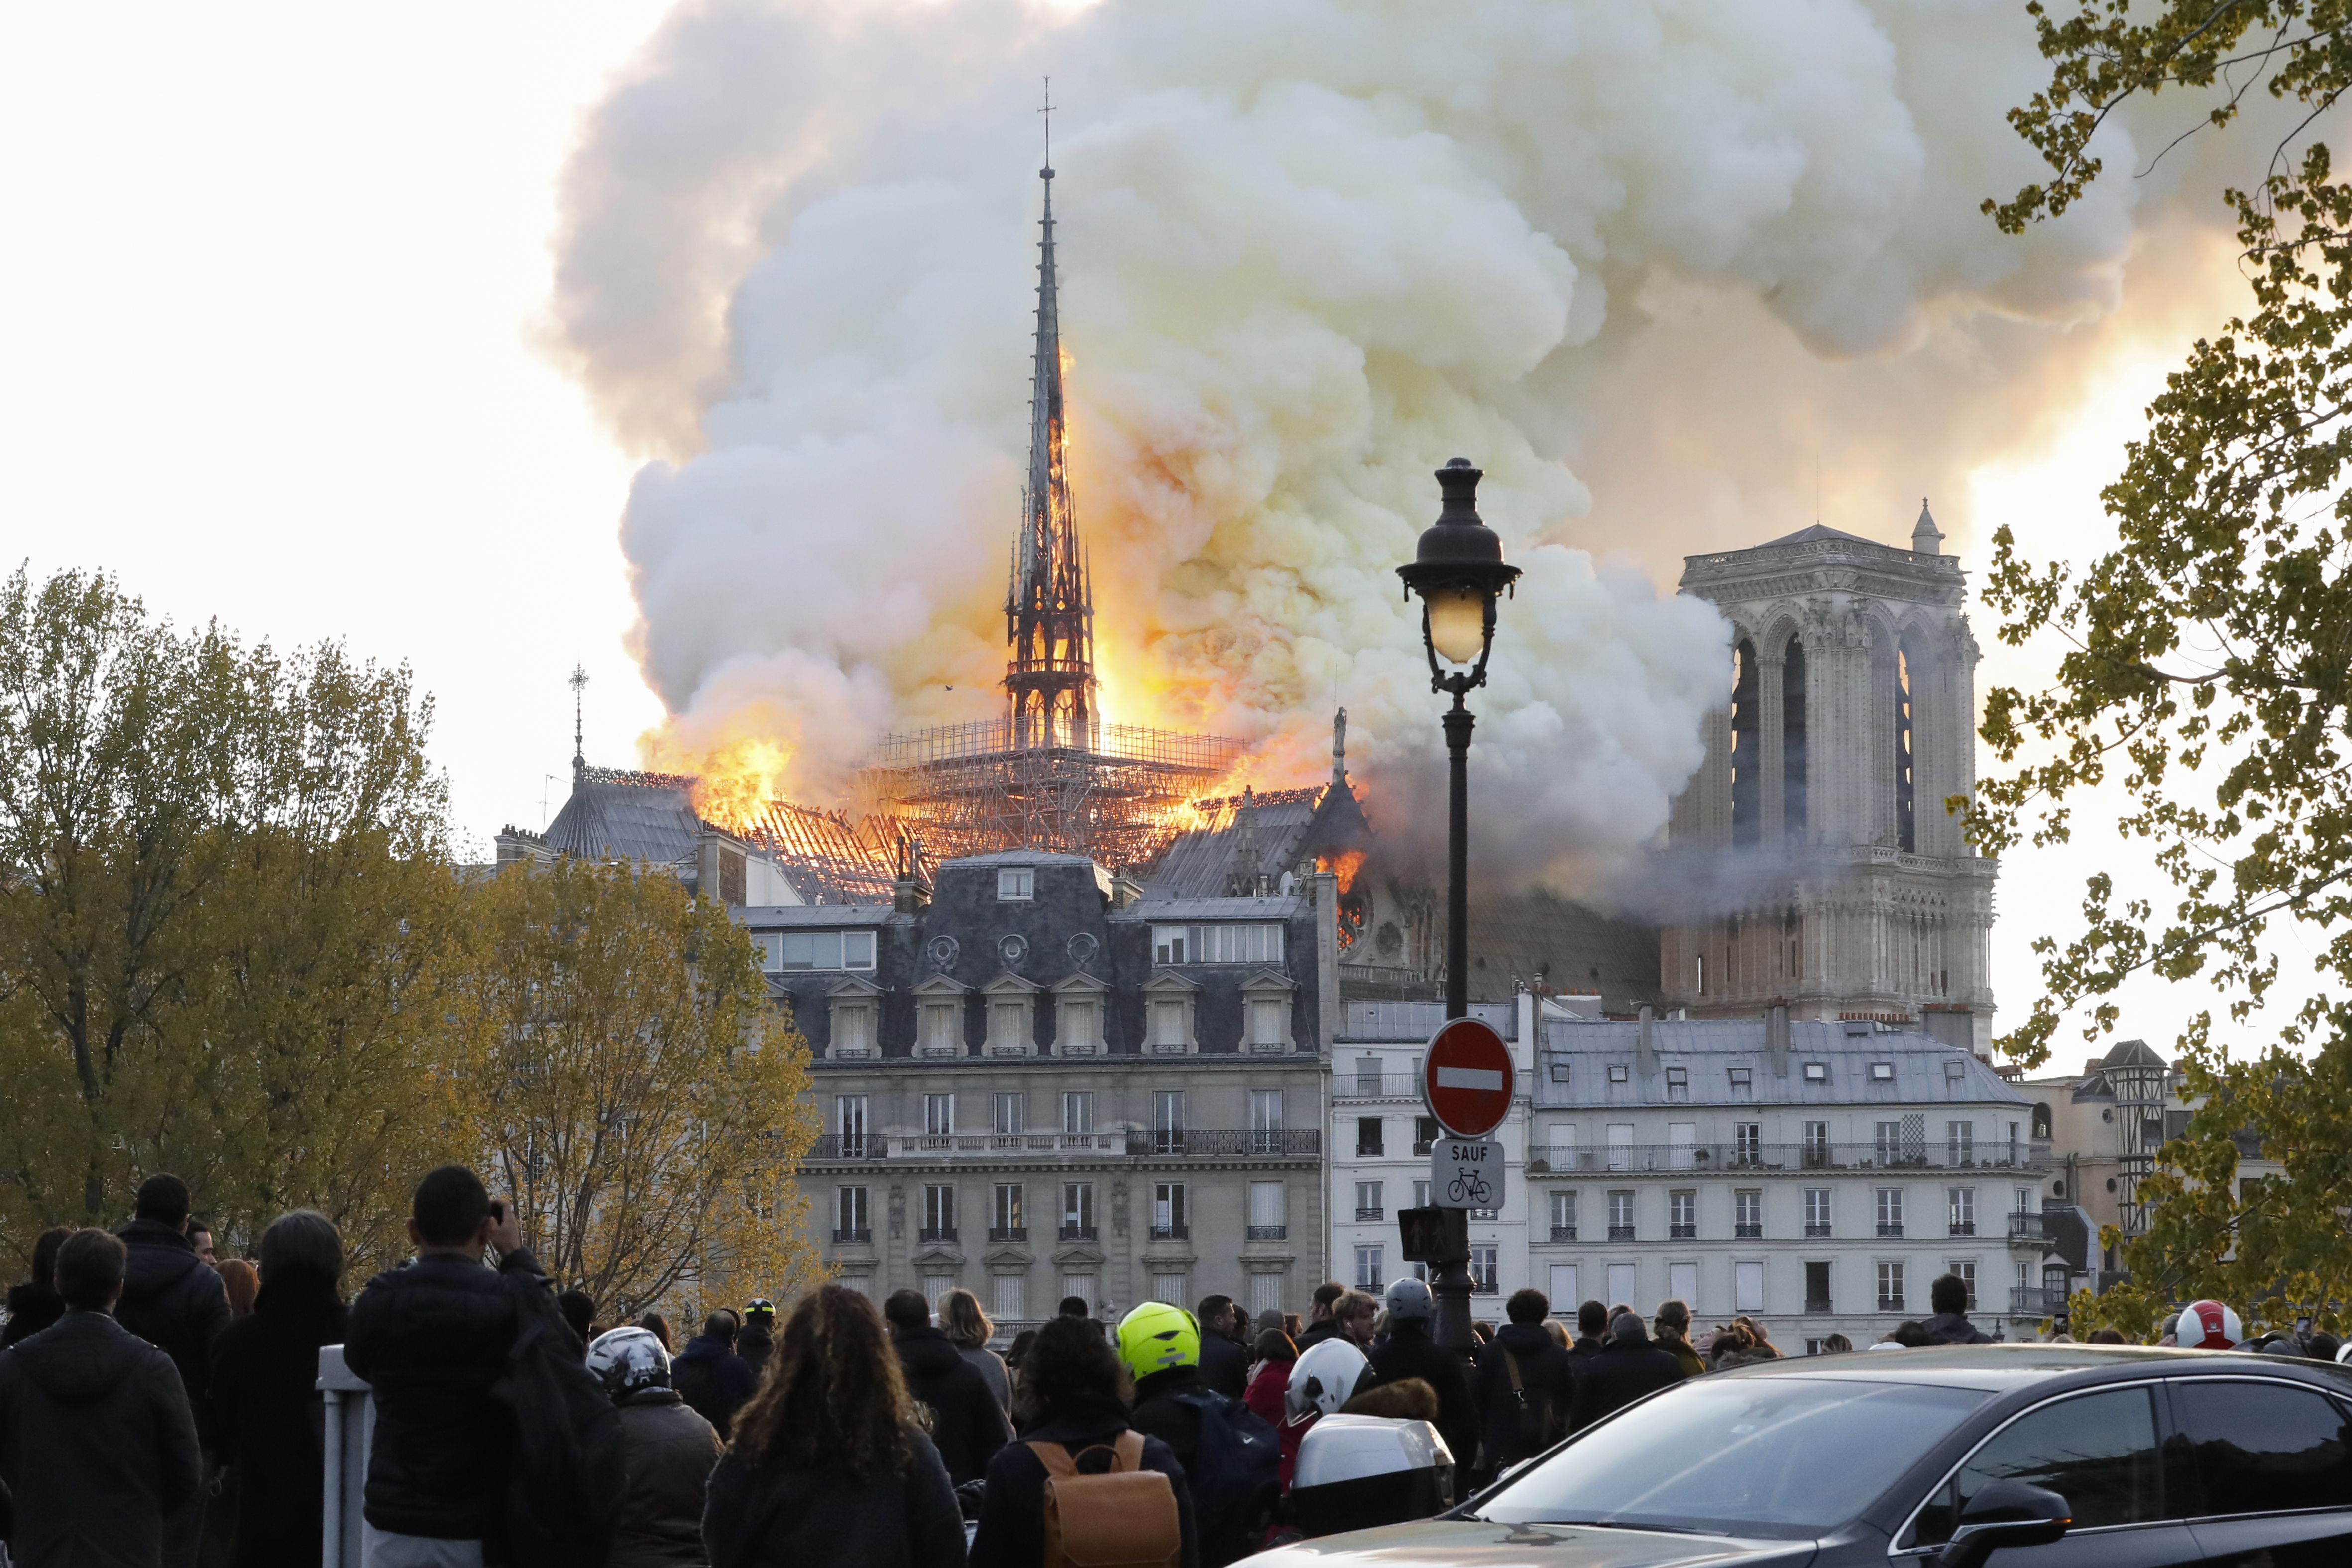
x: 2207, y: 1326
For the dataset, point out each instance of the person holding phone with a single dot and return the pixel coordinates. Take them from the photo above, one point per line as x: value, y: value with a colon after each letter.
x: 432, y: 1337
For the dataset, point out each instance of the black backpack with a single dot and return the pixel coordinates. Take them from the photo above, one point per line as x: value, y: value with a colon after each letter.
x: 567, y: 1478
x: 1235, y: 1476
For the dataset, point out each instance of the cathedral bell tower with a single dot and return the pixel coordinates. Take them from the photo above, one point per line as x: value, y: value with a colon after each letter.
x: 1832, y: 878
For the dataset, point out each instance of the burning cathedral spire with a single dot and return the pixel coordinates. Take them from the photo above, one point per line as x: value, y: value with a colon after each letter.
x: 1049, y: 612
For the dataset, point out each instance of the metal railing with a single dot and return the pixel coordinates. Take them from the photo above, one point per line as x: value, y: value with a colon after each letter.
x: 1133, y: 1144
x: 1686, y: 1231
x: 2022, y: 1155
x: 937, y: 1232
x: 2035, y: 1302
x: 1078, y: 1232
x: 1890, y: 1303
x: 1816, y: 1228
x: 1171, y: 1232
x: 1747, y: 1230
x: 1008, y: 1233
x: 1563, y: 1233
x: 1368, y: 1086
x: 1364, y: 1215
x: 1371, y: 1150
x: 848, y: 1235
x: 1818, y: 1304
x: 2026, y: 1227
x: 1963, y: 1227
x: 1890, y: 1228
x: 1620, y: 1233
x: 1269, y: 1233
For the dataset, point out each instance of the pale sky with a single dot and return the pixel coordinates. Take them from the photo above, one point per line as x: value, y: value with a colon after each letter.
x: 266, y: 329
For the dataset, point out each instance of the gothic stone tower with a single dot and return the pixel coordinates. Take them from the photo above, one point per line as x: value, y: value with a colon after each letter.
x: 1834, y: 881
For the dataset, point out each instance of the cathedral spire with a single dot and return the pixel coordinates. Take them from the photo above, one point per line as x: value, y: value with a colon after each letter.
x: 1049, y: 607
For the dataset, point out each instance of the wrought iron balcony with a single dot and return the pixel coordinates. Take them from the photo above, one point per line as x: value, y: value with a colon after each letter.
x: 937, y: 1232
x: 2035, y: 1302
x: 1242, y: 1142
x: 1683, y: 1231
x: 1747, y: 1230
x: 1890, y: 1228
x: 1171, y: 1232
x: 1269, y: 1233
x: 1815, y: 1228
x: 1376, y: 1086
x: 1371, y: 1150
x: 1620, y: 1233
x: 1964, y: 1227
x: 1078, y: 1232
x: 1364, y: 1215
x: 2021, y: 1155
x: 1424, y: 1145
x: 1818, y: 1304
x: 1563, y: 1233
x: 2026, y: 1230
x: 847, y: 1146
x: 1008, y: 1233
x: 1890, y: 1303
x: 852, y: 1235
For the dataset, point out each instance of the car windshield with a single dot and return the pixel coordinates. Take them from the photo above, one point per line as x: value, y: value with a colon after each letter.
x: 1778, y: 1456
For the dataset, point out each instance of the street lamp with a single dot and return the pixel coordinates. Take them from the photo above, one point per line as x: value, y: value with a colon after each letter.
x: 1458, y: 571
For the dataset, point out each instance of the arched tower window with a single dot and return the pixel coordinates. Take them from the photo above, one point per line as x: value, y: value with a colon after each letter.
x: 1792, y: 743
x: 1746, y: 753
x: 1906, y: 830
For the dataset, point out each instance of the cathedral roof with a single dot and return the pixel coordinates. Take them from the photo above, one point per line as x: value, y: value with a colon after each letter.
x: 1817, y: 531
x: 637, y: 816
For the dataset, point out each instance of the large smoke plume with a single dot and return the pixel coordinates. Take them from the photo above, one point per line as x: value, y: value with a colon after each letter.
x: 1311, y: 249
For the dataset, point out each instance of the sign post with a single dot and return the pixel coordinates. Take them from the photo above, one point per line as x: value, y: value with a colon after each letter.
x: 1467, y: 1081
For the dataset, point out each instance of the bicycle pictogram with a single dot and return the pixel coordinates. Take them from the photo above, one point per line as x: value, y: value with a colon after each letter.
x: 1470, y: 1187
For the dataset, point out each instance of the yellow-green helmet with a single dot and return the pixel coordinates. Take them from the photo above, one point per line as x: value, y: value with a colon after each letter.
x: 1156, y: 1336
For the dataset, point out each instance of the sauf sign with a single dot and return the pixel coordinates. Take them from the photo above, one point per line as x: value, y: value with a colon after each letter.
x: 1466, y: 1082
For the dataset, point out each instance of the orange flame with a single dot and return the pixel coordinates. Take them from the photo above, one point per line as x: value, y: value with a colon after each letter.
x: 1344, y: 865
x: 738, y: 780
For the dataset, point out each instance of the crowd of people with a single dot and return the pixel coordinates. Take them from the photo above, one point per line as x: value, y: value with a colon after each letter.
x: 159, y: 1405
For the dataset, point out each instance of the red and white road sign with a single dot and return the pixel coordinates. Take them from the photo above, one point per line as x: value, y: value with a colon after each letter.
x: 1466, y: 1079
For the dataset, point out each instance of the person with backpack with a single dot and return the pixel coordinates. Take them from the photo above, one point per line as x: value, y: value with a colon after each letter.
x: 1525, y: 1384
x: 1083, y: 1485
x: 1409, y: 1351
x: 1232, y: 1456
x: 830, y: 1463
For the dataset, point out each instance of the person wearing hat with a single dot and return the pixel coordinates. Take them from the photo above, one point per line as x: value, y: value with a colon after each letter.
x: 758, y: 1336
x: 668, y: 1450
x: 1409, y: 1351
x: 1235, y: 1485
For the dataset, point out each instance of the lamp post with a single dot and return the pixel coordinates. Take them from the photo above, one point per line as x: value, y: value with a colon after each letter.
x: 1458, y: 569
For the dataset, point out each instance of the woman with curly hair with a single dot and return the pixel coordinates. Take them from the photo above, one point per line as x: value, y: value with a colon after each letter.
x: 827, y: 1463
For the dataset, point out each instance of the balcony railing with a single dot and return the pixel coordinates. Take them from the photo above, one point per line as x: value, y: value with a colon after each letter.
x: 2022, y: 1155
x: 1371, y: 1150
x: 1890, y: 1303
x: 1747, y: 1230
x: 1890, y: 1228
x: 1817, y: 1304
x: 1008, y: 1233
x: 1241, y: 1142
x: 1078, y: 1232
x: 1424, y: 1145
x: 1815, y: 1228
x: 1384, y: 1086
x: 937, y: 1232
x: 1620, y: 1233
x: 1269, y: 1233
x: 1171, y: 1232
x: 852, y: 1235
x: 1964, y: 1227
x: 2026, y: 1229
x: 1683, y: 1231
x: 1563, y: 1233
x: 2035, y: 1302
x: 1364, y: 1215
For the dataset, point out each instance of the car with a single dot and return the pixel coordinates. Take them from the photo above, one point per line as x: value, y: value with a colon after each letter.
x: 2025, y: 1455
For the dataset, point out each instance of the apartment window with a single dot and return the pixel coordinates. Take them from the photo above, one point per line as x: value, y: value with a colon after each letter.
x: 1560, y: 1069
x: 1743, y: 1082
x: 1563, y: 1218
x: 849, y: 1124
x: 1888, y: 1141
x: 1425, y: 1134
x: 817, y: 949
x: 1077, y: 1214
x: 1368, y: 1075
x: 1748, y: 1287
x: 1682, y: 1282
x: 1266, y: 1118
x: 1962, y: 1202
x: 1564, y: 1297
x: 1368, y: 1138
x: 1890, y: 1287
x: 1890, y: 1211
x: 1008, y: 1297
x: 1960, y: 1143
x: 1007, y: 1221
x: 1621, y: 1216
x: 1621, y: 1287
x: 1168, y: 1120
x: 1817, y: 1072
x: 1228, y: 943
x: 1747, y: 1214
x: 1618, y: 1072
x: 1082, y: 1286
x: 1747, y: 1142
x: 939, y: 1213
x: 1168, y: 1211
x: 1682, y: 1215
x: 1421, y: 1194
x: 1682, y: 1145
x: 1172, y: 1287
x: 1817, y: 1288
x: 1481, y: 1270
x: 1267, y: 1221
x: 1012, y: 1119
x: 1817, y: 1146
x: 1078, y: 1111
x: 1882, y: 1072
x: 1817, y: 1211
x: 1679, y: 1083
x: 939, y: 1115
x: 1265, y: 1295
x: 1368, y: 1201
x: 1368, y: 1269
x: 849, y: 1222
x: 1965, y: 1267
x: 1014, y: 882
x: 1621, y: 1145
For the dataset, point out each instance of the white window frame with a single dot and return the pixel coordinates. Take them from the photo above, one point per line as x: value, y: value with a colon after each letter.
x: 1015, y: 884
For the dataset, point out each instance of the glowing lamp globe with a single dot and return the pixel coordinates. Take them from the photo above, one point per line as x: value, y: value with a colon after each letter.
x: 1459, y: 570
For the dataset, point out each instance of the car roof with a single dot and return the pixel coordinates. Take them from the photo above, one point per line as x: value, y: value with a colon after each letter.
x: 2008, y: 1368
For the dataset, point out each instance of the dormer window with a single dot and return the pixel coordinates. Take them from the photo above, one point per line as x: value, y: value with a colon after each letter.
x: 1679, y: 1083
x: 1882, y: 1072
x: 1617, y: 1072
x: 1817, y: 1072
x: 1016, y: 882
x: 1743, y: 1078
x: 1221, y: 943
x: 790, y: 949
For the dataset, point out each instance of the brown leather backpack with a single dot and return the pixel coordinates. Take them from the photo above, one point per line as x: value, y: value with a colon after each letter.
x: 1124, y: 1517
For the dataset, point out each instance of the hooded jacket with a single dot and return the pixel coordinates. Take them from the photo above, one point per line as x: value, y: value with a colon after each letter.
x: 967, y: 1424
x: 31, y: 1306
x: 709, y: 1375
x: 170, y: 1299
x: 95, y: 1443
x: 1628, y: 1367
x: 777, y: 1515
x: 431, y: 1337
x: 1409, y: 1351
x: 268, y: 1413
x: 1954, y: 1329
x: 1546, y: 1378
x: 669, y: 1451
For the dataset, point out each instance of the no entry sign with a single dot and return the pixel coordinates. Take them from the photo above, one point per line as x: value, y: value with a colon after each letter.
x: 1465, y: 1080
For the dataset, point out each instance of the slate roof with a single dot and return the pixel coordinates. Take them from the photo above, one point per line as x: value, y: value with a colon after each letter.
x: 1709, y: 1047
x: 1813, y: 532
x: 1274, y: 909
x: 1200, y: 863
x: 606, y: 820
x: 778, y: 917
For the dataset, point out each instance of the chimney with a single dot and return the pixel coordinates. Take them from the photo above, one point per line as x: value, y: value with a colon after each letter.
x: 909, y: 893
x: 1776, y: 1039
x: 1645, y: 1041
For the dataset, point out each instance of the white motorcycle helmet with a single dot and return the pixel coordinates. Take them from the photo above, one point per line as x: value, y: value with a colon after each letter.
x: 628, y: 1361
x: 1324, y: 1379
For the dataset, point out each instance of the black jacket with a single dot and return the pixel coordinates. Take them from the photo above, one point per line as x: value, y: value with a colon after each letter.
x: 1581, y: 1349
x: 714, y: 1379
x: 1409, y: 1351
x: 1954, y: 1329
x: 268, y: 1413
x: 1224, y: 1365
x: 1316, y: 1332
x: 431, y: 1338
x: 967, y: 1424
x: 780, y: 1516
x: 1012, y: 1532
x: 31, y: 1306
x: 753, y: 1344
x: 1628, y: 1367
x: 95, y: 1443
x: 170, y: 1299
x: 1547, y: 1380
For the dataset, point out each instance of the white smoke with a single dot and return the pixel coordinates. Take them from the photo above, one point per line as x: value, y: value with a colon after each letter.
x: 1311, y: 250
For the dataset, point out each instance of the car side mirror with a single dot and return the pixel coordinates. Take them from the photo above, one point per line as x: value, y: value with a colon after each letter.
x: 2005, y: 1513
